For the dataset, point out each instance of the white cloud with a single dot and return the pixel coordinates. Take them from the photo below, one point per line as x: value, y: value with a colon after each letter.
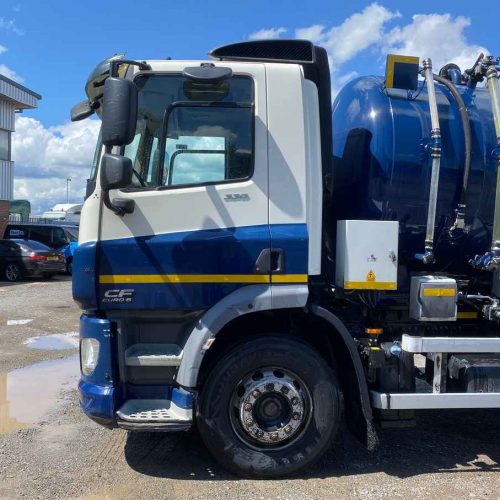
x: 10, y: 73
x: 267, y: 33
x: 442, y: 37
x: 313, y: 33
x: 45, y: 157
x: 10, y: 25
x: 438, y: 36
x: 357, y: 33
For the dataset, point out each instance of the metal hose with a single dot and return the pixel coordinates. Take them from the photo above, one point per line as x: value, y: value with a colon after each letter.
x: 462, y: 108
x: 435, y: 147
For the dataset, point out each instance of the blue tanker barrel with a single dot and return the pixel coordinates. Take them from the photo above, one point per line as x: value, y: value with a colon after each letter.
x: 382, y: 167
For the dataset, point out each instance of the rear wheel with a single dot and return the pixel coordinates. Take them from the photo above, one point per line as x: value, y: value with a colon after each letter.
x: 69, y: 266
x: 12, y: 272
x: 269, y: 408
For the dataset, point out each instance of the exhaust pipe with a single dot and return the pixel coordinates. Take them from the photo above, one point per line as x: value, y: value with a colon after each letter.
x: 428, y: 256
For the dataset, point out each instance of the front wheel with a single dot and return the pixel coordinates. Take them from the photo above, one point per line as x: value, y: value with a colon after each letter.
x: 269, y: 408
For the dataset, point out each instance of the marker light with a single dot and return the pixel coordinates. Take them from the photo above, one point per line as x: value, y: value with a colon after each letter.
x: 374, y: 331
x: 89, y: 354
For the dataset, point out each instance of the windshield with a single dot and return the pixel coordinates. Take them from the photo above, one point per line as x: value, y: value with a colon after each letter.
x: 209, y: 134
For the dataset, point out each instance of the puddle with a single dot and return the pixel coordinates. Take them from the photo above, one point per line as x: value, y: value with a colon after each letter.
x: 27, y: 394
x: 53, y: 342
x: 11, y: 322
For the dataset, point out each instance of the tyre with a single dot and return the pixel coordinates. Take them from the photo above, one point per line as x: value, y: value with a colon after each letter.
x: 269, y: 408
x: 48, y: 276
x: 69, y: 266
x: 13, y: 272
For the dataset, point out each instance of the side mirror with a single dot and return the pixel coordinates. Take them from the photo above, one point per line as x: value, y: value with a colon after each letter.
x: 81, y: 111
x: 116, y: 171
x: 119, y: 112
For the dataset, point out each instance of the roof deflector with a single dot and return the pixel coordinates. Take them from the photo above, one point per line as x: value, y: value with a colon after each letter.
x: 285, y: 51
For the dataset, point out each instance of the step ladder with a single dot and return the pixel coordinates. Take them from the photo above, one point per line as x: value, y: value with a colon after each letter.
x: 154, y: 414
x: 173, y: 414
x: 434, y: 348
x: 153, y: 355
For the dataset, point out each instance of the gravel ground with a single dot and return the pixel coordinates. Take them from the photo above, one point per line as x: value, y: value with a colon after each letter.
x: 64, y: 455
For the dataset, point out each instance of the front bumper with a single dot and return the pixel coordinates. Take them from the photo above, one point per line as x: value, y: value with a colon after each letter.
x: 97, y: 392
x: 97, y: 402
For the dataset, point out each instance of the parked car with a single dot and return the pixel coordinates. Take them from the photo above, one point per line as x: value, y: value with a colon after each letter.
x: 62, y: 237
x: 21, y: 258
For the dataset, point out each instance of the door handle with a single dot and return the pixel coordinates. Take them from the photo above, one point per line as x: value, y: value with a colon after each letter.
x: 270, y: 261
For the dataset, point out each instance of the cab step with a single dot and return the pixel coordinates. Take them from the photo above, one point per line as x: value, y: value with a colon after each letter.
x: 153, y: 355
x: 154, y: 414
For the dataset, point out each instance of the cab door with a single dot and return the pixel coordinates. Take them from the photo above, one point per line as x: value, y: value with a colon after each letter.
x: 200, y: 188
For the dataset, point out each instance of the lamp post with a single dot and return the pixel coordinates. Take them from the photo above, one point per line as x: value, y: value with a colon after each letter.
x: 68, y: 180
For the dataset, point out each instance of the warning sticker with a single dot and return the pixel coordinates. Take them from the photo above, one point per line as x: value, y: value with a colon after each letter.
x: 370, y: 276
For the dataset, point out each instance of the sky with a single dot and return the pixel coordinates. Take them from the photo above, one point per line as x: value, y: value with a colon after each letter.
x: 51, y: 46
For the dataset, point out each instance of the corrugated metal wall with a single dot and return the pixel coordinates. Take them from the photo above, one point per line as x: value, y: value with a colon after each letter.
x: 7, y: 116
x: 17, y: 94
x: 6, y: 180
x: 12, y: 97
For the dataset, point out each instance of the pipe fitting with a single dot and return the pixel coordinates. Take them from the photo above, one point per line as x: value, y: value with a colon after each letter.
x: 491, y: 72
x: 427, y: 63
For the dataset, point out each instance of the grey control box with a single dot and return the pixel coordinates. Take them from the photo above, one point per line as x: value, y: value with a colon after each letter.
x: 433, y: 298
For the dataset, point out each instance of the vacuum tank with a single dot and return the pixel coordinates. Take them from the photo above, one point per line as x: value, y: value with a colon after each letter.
x: 382, y: 168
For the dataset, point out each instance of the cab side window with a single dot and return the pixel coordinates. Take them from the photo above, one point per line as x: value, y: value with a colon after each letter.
x: 189, y: 134
x: 208, y: 145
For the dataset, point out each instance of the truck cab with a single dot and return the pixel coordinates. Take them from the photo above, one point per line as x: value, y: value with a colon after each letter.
x: 218, y: 286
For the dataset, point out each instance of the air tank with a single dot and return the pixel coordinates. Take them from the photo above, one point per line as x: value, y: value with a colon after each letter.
x: 382, y: 168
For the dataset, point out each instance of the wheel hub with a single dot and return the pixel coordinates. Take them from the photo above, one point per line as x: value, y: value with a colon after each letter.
x: 271, y: 409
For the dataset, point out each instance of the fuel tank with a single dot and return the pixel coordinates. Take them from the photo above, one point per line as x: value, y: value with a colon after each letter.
x: 382, y: 168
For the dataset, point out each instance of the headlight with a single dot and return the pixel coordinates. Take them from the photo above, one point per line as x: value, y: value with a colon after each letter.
x: 89, y: 354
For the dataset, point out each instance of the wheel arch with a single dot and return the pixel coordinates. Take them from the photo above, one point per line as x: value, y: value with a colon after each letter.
x: 330, y: 337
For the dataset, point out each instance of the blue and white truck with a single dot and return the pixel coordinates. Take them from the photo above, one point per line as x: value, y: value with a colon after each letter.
x: 245, y: 268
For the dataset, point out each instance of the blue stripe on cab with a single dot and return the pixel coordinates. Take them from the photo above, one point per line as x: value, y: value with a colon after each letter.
x: 293, y: 239
x: 215, y: 251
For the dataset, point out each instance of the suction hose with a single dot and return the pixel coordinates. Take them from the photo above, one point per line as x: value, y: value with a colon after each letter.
x: 460, y: 211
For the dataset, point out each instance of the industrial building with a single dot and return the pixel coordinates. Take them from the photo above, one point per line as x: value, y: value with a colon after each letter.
x: 13, y: 99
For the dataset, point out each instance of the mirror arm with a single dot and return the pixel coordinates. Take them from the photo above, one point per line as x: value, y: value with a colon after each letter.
x: 143, y: 66
x: 118, y: 206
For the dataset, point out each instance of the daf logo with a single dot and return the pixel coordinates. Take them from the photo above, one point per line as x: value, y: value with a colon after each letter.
x: 118, y: 296
x: 237, y: 197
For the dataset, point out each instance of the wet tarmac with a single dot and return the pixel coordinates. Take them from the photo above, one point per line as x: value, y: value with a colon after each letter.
x: 28, y: 393
x: 53, y: 342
